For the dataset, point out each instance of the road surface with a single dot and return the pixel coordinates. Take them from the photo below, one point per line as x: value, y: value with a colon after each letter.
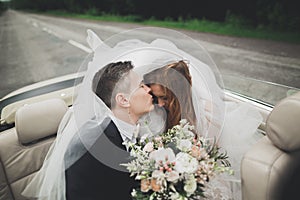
x: 37, y: 47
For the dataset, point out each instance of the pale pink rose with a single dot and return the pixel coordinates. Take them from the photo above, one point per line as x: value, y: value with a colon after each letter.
x: 195, y: 152
x: 145, y: 185
x: 172, y: 176
x: 155, y: 185
x: 203, y: 153
x: 148, y: 147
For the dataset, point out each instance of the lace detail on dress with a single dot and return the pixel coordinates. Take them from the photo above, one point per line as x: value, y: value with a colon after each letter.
x: 222, y: 188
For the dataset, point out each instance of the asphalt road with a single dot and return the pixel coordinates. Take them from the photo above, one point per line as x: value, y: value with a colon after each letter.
x: 37, y: 47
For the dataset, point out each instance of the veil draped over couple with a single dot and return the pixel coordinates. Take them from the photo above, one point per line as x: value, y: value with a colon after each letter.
x: 182, y: 82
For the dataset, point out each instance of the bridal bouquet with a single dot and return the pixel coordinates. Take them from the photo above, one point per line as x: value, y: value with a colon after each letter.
x: 175, y: 165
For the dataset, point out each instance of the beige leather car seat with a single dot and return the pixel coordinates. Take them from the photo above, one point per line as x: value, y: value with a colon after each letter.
x: 23, y: 148
x: 270, y: 170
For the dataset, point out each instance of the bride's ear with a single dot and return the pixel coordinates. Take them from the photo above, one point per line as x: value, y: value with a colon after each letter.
x: 122, y: 100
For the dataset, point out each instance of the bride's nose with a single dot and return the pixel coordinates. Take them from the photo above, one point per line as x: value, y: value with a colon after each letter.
x: 146, y: 88
x: 161, y: 103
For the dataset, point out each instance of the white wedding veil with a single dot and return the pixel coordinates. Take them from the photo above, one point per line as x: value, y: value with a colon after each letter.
x: 147, y: 48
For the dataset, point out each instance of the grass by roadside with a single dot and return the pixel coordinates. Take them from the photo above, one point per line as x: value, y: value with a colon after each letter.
x: 229, y: 28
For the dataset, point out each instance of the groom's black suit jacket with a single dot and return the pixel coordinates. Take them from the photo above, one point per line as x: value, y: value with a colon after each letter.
x: 88, y: 178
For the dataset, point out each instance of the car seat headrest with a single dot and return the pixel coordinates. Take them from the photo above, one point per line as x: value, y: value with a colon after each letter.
x: 39, y: 120
x: 283, y: 124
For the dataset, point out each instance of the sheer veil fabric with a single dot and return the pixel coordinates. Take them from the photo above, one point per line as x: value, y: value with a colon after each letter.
x: 233, y: 125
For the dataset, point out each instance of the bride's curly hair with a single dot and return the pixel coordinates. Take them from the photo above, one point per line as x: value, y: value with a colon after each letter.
x: 176, y: 82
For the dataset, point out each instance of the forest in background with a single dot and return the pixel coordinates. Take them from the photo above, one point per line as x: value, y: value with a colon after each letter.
x: 275, y: 14
x: 258, y: 15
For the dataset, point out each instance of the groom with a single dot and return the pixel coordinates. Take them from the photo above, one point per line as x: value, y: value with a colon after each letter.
x: 97, y: 174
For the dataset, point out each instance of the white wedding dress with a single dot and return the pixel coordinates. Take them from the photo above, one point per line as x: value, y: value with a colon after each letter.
x: 233, y: 125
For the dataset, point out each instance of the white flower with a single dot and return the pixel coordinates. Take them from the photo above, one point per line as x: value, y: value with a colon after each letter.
x: 144, y: 137
x: 190, y: 185
x: 174, y: 196
x: 172, y: 176
x: 189, y: 134
x: 158, y: 174
x: 184, y: 145
x: 148, y: 147
x: 133, y: 193
x: 183, y: 121
x: 185, y: 163
x: 162, y: 155
x: 160, y: 170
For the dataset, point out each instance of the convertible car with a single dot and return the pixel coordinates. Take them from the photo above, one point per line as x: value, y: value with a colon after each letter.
x: 31, y: 115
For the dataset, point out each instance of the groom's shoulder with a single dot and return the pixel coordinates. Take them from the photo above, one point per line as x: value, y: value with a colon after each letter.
x: 90, y: 132
x: 109, y: 127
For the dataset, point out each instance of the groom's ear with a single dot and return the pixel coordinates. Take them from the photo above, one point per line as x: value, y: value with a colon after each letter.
x: 122, y: 100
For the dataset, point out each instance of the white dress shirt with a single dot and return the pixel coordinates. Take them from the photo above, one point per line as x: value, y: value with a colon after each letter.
x: 126, y: 130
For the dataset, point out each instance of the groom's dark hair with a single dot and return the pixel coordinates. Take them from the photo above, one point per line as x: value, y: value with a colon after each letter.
x: 105, y: 81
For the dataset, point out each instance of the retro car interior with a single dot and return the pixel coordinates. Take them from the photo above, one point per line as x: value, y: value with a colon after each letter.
x: 270, y: 170
x: 24, y: 147
x: 267, y: 168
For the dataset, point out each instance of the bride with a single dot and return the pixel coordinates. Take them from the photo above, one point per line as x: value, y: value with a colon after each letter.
x: 232, y: 124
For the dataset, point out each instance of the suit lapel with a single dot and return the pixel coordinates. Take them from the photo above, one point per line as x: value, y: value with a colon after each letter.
x: 114, y: 135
